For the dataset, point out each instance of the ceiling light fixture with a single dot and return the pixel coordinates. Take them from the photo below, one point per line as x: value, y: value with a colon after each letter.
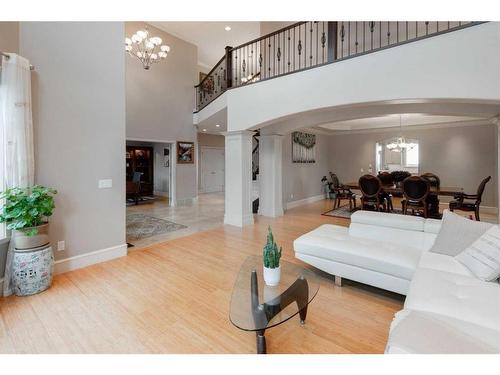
x: 400, y: 142
x: 147, y: 49
x: 204, y: 130
x: 227, y: 28
x: 217, y: 126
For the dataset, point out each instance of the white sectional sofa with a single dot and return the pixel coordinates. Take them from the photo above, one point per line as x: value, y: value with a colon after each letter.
x: 447, y: 309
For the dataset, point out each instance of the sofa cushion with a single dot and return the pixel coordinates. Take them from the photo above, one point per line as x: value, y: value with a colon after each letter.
x: 396, y: 236
x: 440, y: 262
x: 457, y: 296
x: 410, y: 334
x: 334, y: 243
x: 457, y: 233
x: 483, y: 256
x: 432, y: 226
x: 382, y: 219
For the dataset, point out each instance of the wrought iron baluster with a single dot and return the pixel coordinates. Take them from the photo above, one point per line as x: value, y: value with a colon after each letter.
x: 342, y: 35
x: 426, y: 27
x: 269, y: 57
x: 348, y: 38
x: 317, y: 41
x: 289, y: 50
x: 372, y: 29
x: 356, y: 38
x: 388, y: 34
x: 323, y: 42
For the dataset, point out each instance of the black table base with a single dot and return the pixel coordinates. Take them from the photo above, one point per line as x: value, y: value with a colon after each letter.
x: 298, y: 292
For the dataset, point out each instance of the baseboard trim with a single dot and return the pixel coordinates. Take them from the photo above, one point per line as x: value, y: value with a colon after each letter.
x: 301, y: 202
x: 85, y: 260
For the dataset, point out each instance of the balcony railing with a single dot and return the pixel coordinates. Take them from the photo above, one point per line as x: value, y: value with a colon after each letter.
x: 305, y: 45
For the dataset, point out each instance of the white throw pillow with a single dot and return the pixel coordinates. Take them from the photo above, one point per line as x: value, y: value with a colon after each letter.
x: 457, y: 233
x: 482, y: 258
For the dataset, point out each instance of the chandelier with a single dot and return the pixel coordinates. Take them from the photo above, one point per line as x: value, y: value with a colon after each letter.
x: 400, y: 143
x: 147, y: 49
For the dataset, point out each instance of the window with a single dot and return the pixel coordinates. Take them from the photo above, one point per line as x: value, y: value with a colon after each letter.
x: 390, y: 158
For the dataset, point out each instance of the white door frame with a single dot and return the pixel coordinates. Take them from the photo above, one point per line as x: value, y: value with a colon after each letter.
x: 201, y: 148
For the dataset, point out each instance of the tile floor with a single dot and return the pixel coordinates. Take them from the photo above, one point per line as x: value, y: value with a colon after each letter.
x: 206, y: 213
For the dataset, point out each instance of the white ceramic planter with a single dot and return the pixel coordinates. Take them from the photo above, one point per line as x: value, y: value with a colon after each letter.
x: 272, y: 276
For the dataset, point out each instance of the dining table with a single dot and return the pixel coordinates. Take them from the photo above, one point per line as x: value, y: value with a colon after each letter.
x: 395, y: 189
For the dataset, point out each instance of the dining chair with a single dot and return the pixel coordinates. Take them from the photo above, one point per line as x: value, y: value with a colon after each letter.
x: 371, y: 188
x: 433, y: 198
x: 387, y: 180
x: 415, y: 192
x: 470, y: 202
x: 341, y: 192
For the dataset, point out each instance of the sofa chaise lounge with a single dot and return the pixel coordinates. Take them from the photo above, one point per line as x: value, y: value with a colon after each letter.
x: 447, y: 309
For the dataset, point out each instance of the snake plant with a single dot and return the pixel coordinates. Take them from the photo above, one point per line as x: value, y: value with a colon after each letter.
x: 271, y: 255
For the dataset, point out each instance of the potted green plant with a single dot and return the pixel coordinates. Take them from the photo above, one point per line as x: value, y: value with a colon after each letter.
x: 271, y: 260
x: 26, y: 212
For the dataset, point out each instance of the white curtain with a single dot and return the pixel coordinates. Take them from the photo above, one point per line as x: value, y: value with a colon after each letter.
x: 16, y: 133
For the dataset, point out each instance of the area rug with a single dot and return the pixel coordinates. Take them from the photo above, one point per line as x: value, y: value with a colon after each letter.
x: 142, y: 226
x: 344, y: 212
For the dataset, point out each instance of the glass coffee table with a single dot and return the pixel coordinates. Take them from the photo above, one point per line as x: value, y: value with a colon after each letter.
x: 257, y: 307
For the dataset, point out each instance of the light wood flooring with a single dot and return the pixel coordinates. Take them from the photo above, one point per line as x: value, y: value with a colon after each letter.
x: 174, y: 297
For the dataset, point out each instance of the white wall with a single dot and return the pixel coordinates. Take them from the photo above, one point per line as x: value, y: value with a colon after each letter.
x: 160, y: 101
x: 79, y: 123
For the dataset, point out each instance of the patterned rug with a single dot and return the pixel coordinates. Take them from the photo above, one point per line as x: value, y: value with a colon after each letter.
x: 142, y: 226
x: 343, y: 212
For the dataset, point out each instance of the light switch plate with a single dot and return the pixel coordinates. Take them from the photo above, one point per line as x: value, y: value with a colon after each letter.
x: 105, y: 184
x: 61, y: 245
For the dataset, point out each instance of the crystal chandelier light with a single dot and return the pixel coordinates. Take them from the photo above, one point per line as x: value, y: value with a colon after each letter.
x: 146, y: 48
x: 400, y: 142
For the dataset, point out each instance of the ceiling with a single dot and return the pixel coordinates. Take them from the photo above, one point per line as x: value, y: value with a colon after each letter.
x: 390, y: 121
x: 210, y: 37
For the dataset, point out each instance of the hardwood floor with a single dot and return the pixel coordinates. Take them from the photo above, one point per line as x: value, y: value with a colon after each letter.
x: 174, y: 298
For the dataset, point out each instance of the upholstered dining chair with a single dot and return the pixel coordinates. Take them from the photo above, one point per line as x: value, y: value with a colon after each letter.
x: 341, y: 192
x: 387, y: 180
x: 371, y: 188
x: 415, y: 192
x: 433, y: 197
x: 470, y: 202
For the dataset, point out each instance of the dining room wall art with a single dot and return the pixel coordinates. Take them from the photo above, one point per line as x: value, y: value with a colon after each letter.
x: 303, y: 147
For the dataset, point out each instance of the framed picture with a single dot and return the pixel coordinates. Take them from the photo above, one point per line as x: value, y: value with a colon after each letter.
x: 303, y: 147
x: 185, y: 152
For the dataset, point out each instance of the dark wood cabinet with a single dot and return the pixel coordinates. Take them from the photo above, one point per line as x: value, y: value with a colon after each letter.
x: 140, y: 159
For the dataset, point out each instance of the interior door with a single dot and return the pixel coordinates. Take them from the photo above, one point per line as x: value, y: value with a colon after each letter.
x: 212, y: 170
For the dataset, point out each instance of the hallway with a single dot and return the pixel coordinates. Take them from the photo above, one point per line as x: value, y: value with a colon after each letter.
x: 206, y: 213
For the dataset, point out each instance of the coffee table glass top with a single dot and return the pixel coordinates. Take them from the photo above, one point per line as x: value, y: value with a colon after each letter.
x: 271, y: 305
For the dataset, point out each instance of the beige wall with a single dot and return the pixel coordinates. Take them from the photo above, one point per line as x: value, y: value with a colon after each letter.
x: 460, y: 156
x: 160, y: 101
x: 269, y: 27
x: 79, y: 123
x: 9, y: 37
x: 304, y: 180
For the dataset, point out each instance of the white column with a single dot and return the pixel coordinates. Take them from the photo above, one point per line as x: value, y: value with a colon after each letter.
x: 271, y: 175
x: 238, y: 175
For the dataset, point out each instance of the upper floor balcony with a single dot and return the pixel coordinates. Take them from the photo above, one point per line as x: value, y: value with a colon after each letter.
x: 307, y: 45
x: 384, y: 68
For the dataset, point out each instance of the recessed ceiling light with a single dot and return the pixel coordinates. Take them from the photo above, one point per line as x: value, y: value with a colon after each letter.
x: 227, y: 28
x: 217, y: 126
x: 204, y: 130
